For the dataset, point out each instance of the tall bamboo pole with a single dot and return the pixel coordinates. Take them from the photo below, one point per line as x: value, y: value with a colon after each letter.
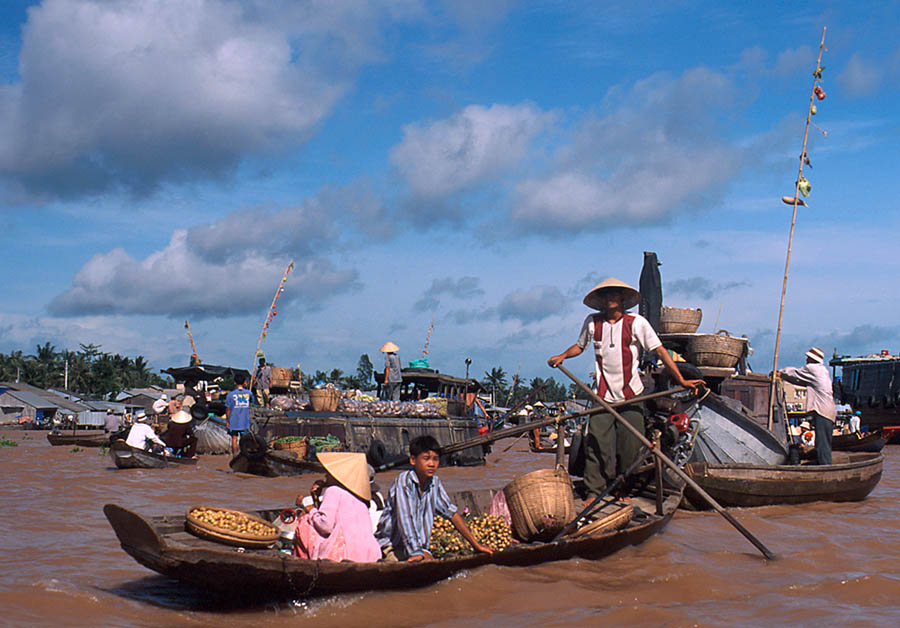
x: 269, y: 316
x: 787, y: 262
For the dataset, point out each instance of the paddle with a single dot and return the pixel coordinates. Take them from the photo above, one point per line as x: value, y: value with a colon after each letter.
x: 665, y: 459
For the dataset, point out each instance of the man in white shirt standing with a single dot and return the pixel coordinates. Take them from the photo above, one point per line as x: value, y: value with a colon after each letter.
x: 819, y: 398
x: 617, y: 338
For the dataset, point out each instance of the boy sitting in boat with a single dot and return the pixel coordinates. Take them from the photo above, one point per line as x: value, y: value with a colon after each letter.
x: 142, y: 436
x: 404, y: 530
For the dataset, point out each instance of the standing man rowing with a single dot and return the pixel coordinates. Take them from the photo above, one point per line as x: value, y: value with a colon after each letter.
x: 617, y: 339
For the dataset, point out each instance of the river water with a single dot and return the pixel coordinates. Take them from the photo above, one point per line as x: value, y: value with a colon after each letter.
x: 61, y: 564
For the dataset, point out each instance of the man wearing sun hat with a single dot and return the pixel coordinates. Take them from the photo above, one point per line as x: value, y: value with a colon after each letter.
x: 617, y: 338
x: 393, y: 378
x: 819, y: 399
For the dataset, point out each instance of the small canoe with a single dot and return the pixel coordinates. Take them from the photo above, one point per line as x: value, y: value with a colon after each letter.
x: 274, y: 463
x: 79, y: 439
x: 127, y: 457
x: 161, y: 543
x: 861, y: 441
x: 852, y: 478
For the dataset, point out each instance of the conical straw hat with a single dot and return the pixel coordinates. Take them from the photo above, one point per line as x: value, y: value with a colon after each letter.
x: 350, y: 470
x: 389, y: 347
x: 592, y: 300
x: 181, y: 417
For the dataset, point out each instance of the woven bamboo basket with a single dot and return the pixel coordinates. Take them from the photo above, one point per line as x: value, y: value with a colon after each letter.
x: 211, y: 532
x: 540, y: 503
x: 679, y: 320
x: 324, y: 399
x: 297, y: 446
x: 718, y: 349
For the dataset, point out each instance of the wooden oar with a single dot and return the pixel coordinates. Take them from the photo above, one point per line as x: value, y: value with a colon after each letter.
x: 665, y: 459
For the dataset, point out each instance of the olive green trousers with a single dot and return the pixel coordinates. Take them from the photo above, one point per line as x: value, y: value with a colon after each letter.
x: 608, y: 442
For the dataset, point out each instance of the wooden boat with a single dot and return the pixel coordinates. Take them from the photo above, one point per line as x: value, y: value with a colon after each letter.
x: 274, y: 463
x: 546, y: 447
x: 91, y: 438
x: 851, y: 478
x: 127, y: 457
x: 728, y: 436
x: 162, y: 544
x: 861, y: 441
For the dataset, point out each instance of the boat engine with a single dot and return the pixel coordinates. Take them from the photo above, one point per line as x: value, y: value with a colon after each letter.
x: 675, y: 433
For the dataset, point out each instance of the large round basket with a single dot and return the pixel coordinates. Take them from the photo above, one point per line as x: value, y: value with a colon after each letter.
x: 679, y: 320
x: 715, y: 349
x: 540, y: 503
x: 299, y: 447
x: 219, y: 534
x: 324, y: 399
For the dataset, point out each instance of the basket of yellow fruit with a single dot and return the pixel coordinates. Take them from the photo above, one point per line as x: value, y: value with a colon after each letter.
x: 490, y: 530
x: 232, y: 527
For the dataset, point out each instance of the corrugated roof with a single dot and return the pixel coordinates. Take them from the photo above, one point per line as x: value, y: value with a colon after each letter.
x: 33, y: 400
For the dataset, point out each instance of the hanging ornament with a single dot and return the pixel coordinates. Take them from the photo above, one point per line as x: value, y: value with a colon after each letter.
x: 818, y: 72
x: 790, y: 200
x: 813, y: 109
x: 819, y: 92
x: 805, y: 186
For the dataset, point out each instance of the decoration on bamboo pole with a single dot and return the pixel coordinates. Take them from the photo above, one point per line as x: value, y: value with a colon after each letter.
x: 803, y: 187
x: 427, y: 339
x: 272, y: 313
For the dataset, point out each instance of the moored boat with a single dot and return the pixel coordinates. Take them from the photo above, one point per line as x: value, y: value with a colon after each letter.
x: 851, y: 478
x: 79, y: 439
x: 127, y: 457
x: 872, y: 442
x: 272, y: 463
x: 162, y: 544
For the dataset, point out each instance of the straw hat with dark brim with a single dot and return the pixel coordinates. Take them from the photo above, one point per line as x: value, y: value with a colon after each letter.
x: 180, y: 417
x: 350, y: 470
x: 389, y: 347
x: 816, y: 354
x: 593, y: 298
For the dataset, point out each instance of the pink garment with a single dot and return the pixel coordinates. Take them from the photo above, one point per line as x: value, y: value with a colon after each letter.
x: 340, y: 529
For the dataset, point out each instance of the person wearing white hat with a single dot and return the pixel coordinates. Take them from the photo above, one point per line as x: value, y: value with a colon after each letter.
x: 393, y: 378
x: 819, y: 398
x: 340, y: 527
x: 180, y: 434
x: 617, y: 338
x: 141, y: 435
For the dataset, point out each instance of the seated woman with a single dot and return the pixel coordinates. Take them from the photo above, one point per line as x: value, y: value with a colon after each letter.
x: 180, y: 434
x: 339, y: 528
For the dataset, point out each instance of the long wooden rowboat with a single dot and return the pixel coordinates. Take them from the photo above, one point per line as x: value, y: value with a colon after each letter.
x: 127, y: 457
x: 79, y: 439
x: 851, y: 479
x: 162, y: 544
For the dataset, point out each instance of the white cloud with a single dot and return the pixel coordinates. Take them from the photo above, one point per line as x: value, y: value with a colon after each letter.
x: 450, y: 155
x: 655, y: 153
x: 860, y: 77
x: 132, y: 93
x: 531, y: 304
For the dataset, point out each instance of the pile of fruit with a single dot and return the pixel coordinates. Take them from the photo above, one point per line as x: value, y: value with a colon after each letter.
x: 490, y: 530
x: 232, y: 521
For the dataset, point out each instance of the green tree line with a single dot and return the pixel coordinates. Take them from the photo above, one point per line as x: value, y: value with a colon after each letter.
x: 92, y: 372
x: 510, y: 391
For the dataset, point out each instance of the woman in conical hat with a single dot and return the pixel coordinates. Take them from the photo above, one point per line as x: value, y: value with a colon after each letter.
x: 340, y: 527
x: 617, y: 338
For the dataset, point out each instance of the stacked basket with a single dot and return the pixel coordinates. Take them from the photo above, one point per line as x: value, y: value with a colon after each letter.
x: 540, y: 503
x: 298, y: 445
x: 679, y: 320
x: 324, y: 399
x: 715, y: 350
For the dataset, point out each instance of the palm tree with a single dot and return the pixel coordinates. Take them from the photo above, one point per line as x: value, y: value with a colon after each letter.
x: 495, y: 379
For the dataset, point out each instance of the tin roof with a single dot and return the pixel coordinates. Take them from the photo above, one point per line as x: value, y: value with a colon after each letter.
x: 33, y: 400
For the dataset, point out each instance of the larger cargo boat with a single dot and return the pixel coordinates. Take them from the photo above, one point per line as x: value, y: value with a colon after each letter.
x: 871, y: 384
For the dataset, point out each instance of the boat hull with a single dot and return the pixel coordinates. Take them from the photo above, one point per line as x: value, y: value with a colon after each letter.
x: 161, y: 544
x: 766, y: 485
x: 727, y: 436
x: 94, y: 439
x: 873, y: 442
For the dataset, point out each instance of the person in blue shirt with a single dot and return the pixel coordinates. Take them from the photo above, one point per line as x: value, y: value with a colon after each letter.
x: 237, y: 411
x: 404, y: 530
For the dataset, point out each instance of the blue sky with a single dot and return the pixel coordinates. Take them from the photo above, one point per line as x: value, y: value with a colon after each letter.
x: 481, y: 165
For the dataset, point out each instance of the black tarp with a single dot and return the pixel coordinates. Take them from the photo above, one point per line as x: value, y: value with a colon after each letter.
x: 203, y: 372
x: 651, y: 290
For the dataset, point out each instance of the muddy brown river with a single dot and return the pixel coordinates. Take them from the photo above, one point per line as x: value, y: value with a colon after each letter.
x: 61, y: 564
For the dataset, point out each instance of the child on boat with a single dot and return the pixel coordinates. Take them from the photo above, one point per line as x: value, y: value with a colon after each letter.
x: 404, y: 530
x: 340, y: 527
